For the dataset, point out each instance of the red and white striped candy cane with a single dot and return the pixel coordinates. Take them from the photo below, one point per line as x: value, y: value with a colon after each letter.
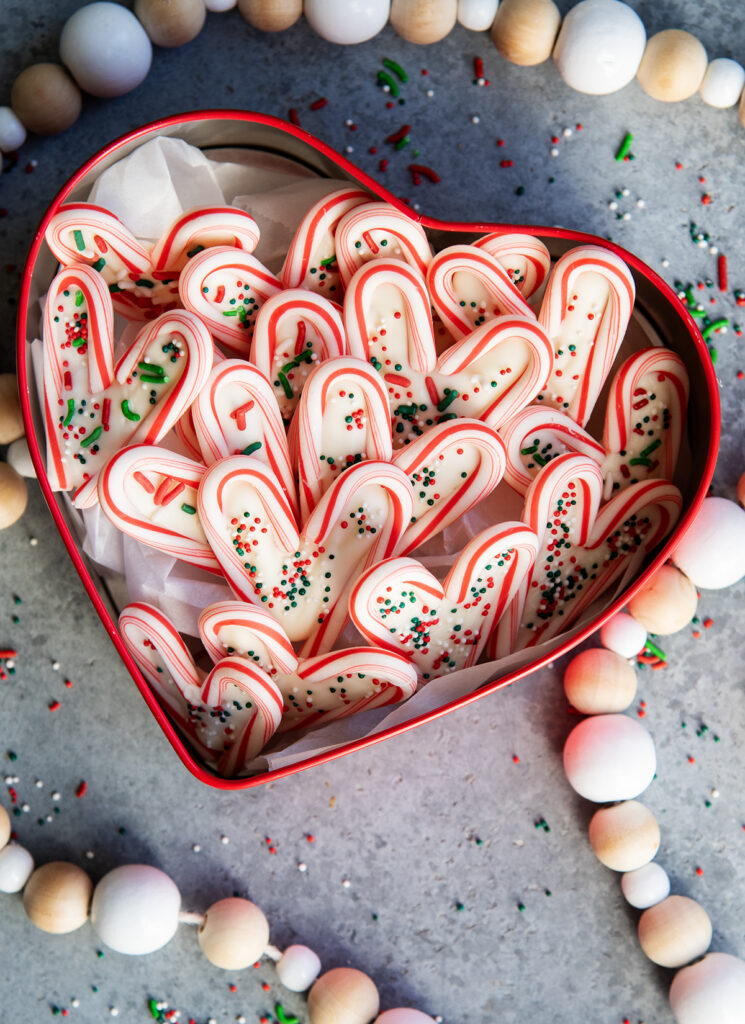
x: 525, y: 258
x: 89, y: 234
x: 376, y: 231
x: 233, y: 627
x: 538, y: 434
x: 201, y: 227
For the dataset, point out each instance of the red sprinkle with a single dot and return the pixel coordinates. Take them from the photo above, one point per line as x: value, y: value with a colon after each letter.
x: 722, y: 272
x: 500, y: 142
x: 292, y: 115
x: 705, y: 199
x: 708, y: 623
x: 506, y: 163
x: 426, y: 171
x: 382, y: 165
x: 319, y: 104
x: 401, y: 134
x: 53, y: 705
x: 478, y: 67
x: 515, y: 759
x: 678, y: 165
x: 310, y: 837
x: 233, y: 988
x: 691, y: 760
x: 82, y: 789
x: 699, y: 871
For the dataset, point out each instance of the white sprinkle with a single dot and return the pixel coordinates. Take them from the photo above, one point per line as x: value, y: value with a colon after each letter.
x: 567, y: 133
x: 302, y: 866
x: 56, y: 666
x: 627, y: 216
x: 475, y: 119
x: 346, y: 883
x: 386, y: 88
x: 554, y: 152
x: 349, y: 149
x: 641, y: 204
x: 33, y: 541
x: 430, y: 92
x: 613, y: 205
x: 625, y: 192
x: 10, y: 663
x: 225, y: 840
x: 89, y: 854
x: 241, y: 1019
x: 49, y: 817
x: 715, y: 793
x: 212, y: 1019
x: 713, y: 250
x: 39, y: 784
x: 25, y: 808
x: 702, y: 244
x: 349, y: 122
x: 75, y: 1003
x: 666, y: 263
x: 196, y: 847
x: 113, y: 1011
x: 56, y: 795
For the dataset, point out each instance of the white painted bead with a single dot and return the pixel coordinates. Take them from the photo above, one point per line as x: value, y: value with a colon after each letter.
x: 343, y: 996
x: 298, y: 968
x: 347, y: 21
x: 135, y: 909
x: 646, y: 886
x: 12, y: 132
x: 599, y: 682
x: 624, y: 837
x: 233, y: 934
x: 623, y: 635
x: 404, y: 1016
x: 105, y: 49
x: 4, y: 827
x: 675, y: 931
x: 711, y: 990
x: 16, y: 865
x: 722, y: 83
x: 666, y: 603
x: 600, y: 46
x: 218, y: 6
x: 477, y: 16
x: 609, y: 757
x: 712, y: 552
x: 19, y: 458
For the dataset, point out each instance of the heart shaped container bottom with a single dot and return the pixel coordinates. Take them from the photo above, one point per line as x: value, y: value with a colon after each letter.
x: 659, y: 318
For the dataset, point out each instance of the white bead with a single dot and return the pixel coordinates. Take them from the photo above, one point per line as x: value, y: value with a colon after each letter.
x: 12, y: 132
x: 16, y: 865
x: 19, y: 457
x: 712, y: 552
x: 218, y: 6
x: 711, y: 990
x: 404, y: 1016
x: 623, y: 635
x: 600, y: 46
x: 347, y: 21
x: 722, y: 83
x: 105, y: 49
x: 298, y: 968
x: 645, y: 886
x: 477, y: 16
x: 609, y: 757
x: 135, y: 909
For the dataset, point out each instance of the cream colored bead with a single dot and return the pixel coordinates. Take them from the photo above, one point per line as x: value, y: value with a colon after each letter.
x: 234, y: 934
x: 599, y: 682
x: 524, y: 31
x: 673, y: 66
x: 713, y: 990
x: 57, y: 897
x: 13, y: 496
x: 298, y: 968
x: 675, y: 931
x: 423, y: 21
x: 171, y: 22
x: 624, y: 837
x: 11, y: 420
x: 343, y: 996
x: 46, y: 99
x: 271, y: 15
x: 666, y: 603
x: 723, y: 83
x: 4, y: 827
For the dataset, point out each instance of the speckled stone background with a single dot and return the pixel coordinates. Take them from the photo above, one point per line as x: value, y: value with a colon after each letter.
x: 441, y: 818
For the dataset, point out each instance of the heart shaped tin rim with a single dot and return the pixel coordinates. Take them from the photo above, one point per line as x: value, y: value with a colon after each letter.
x: 227, y: 128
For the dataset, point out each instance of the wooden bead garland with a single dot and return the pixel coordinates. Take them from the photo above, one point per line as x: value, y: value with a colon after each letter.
x: 524, y: 30
x: 171, y: 22
x: 57, y: 897
x: 666, y: 604
x: 271, y: 15
x: 600, y: 682
x: 233, y: 934
x: 624, y: 837
x: 343, y: 996
x: 13, y: 496
x: 675, y: 931
x: 673, y: 66
x: 11, y: 419
x: 46, y: 99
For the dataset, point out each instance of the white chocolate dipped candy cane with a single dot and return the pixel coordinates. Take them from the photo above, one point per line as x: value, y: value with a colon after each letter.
x: 234, y: 627
x: 585, y: 311
x: 226, y: 287
x: 536, y: 435
x: 200, y: 228
x: 645, y: 419
x: 468, y: 287
x: 378, y: 231
x: 342, y: 419
x: 311, y: 259
x: 525, y: 258
x: 295, y: 330
x: 441, y: 628
x: 184, y: 431
x: 236, y: 413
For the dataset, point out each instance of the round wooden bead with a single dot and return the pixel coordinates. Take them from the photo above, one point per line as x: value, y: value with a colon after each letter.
x: 298, y: 968
x: 46, y: 99
x: 106, y: 49
x: 4, y: 827
x: 599, y: 682
x: 624, y: 837
x: 423, y: 21
x: 343, y: 996
x: 404, y: 1016
x: 57, y: 897
x: 233, y: 934
x: 608, y: 758
x: 741, y: 490
x: 11, y: 419
x: 347, y: 21
x: 477, y: 15
x: 19, y: 458
x: 673, y: 66
x: 675, y: 931
x: 645, y: 886
x: 711, y: 990
x: 524, y: 31
x: 723, y: 82
x: 623, y: 635
x: 135, y: 909
x: 666, y: 603
x: 16, y: 865
x: 712, y: 551
x: 171, y: 22
x: 13, y: 496
x: 600, y: 46
x: 271, y: 15
x: 12, y: 132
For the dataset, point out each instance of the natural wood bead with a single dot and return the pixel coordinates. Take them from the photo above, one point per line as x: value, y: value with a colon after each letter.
x: 674, y: 932
x: 46, y: 99
x: 666, y: 603
x: 673, y: 66
x: 271, y: 15
x: 343, y: 996
x: 233, y: 934
x: 57, y: 897
x: 741, y: 481
x: 4, y: 827
x: 11, y: 420
x: 524, y: 31
x: 13, y: 496
x: 423, y: 21
x: 599, y: 682
x: 171, y: 22
x: 624, y: 837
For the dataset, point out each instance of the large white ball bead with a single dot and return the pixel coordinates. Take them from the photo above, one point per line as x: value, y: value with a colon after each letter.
x: 219, y: 6
x: 477, y: 16
x: 600, y: 46
x: 674, y: 932
x: 16, y: 865
x: 12, y: 132
x: 298, y: 968
x: 645, y: 886
x: 347, y: 21
x: 105, y: 49
x: 665, y: 603
x: 624, y: 837
x: 711, y: 990
x: 233, y: 934
x: 608, y: 758
x: 623, y: 635
x: 599, y: 682
x: 712, y: 552
x: 404, y: 1016
x: 723, y: 83
x: 135, y: 909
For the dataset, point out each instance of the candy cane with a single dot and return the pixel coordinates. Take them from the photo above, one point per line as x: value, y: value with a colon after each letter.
x: 525, y: 258
x: 378, y: 231
x: 232, y: 627
x: 85, y: 233
x: 184, y: 430
x: 201, y: 228
x: 538, y: 434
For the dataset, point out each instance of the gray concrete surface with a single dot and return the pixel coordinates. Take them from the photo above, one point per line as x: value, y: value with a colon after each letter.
x: 441, y: 817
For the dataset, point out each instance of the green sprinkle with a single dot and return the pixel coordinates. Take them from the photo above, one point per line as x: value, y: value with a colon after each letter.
x: 650, y: 448
x: 302, y: 357
x: 151, y: 368
x: 396, y: 69
x: 654, y: 649
x: 403, y: 142
x: 114, y: 288
x: 450, y: 395
x: 194, y: 251
x: 99, y: 264
x: 625, y: 146
x: 714, y: 326
x: 78, y: 236
x: 286, y: 386
x: 189, y: 509
x: 640, y: 462
x: 79, y: 298
x: 129, y: 413
x: 70, y: 412
x: 154, y: 1011
x: 149, y: 378
x: 91, y: 438
x: 328, y: 261
x: 230, y: 312
x: 283, y: 1017
x: 385, y: 79
x: 144, y: 283
x: 251, y: 448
